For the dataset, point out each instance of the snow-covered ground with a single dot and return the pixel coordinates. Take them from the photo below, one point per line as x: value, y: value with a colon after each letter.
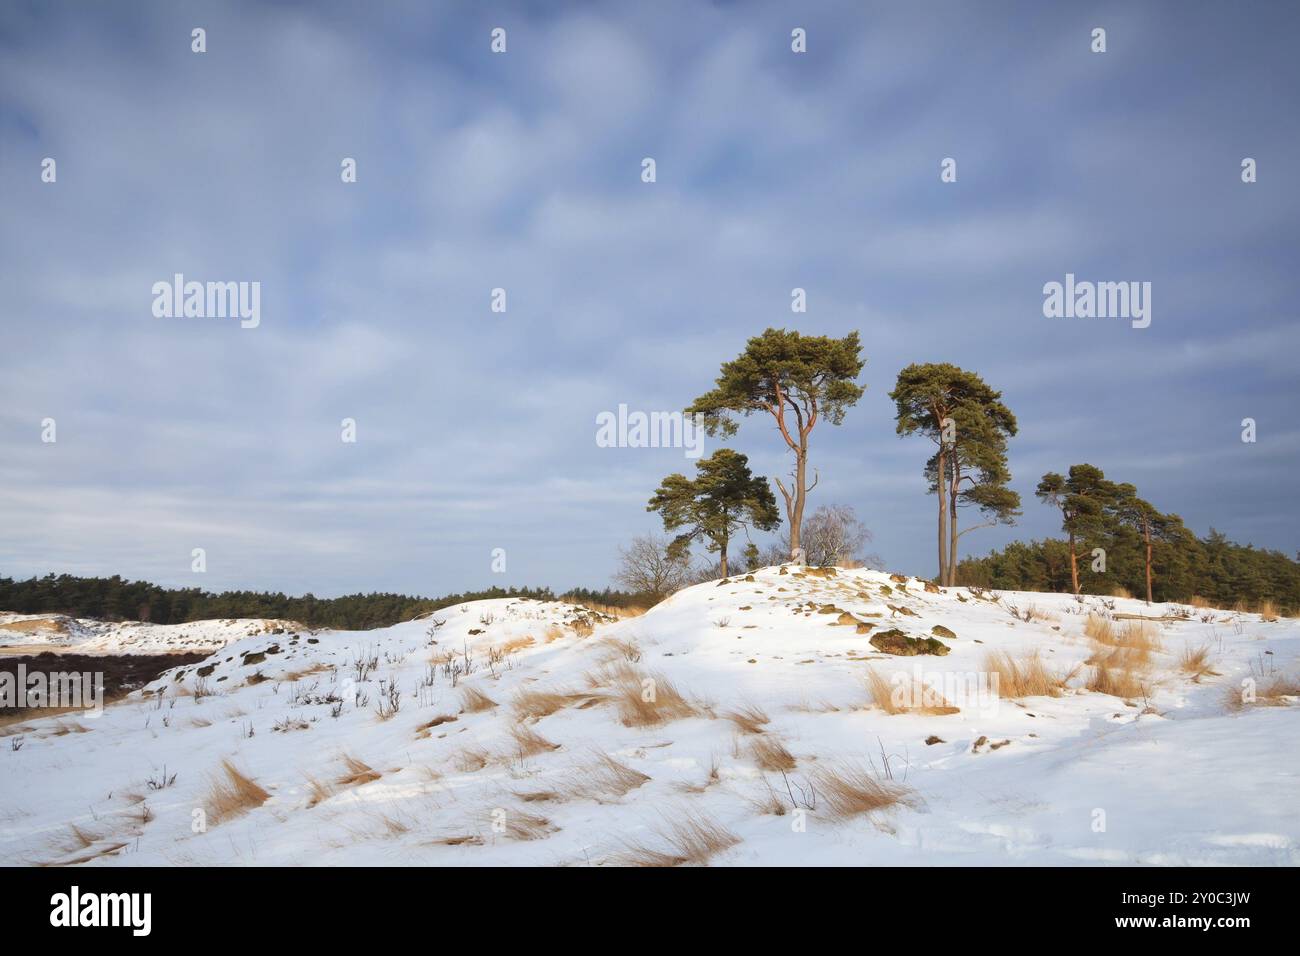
x: 475, y: 774
x: 34, y: 633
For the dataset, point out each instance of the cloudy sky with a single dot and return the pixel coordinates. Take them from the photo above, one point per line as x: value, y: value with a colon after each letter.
x: 775, y: 170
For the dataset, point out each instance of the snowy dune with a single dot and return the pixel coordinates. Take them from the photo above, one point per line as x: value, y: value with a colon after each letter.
x: 754, y: 749
x: 34, y: 633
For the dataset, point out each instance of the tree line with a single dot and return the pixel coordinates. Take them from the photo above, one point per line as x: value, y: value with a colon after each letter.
x: 117, y: 599
x: 1113, y: 535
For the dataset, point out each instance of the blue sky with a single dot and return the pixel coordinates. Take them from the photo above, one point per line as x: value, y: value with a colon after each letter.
x: 522, y: 170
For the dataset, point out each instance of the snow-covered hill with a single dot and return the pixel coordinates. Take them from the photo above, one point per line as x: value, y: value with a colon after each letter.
x: 733, y: 724
x: 35, y: 633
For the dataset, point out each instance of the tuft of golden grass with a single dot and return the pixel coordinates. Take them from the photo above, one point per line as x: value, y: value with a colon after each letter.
x: 1027, y: 677
x: 850, y: 790
x: 425, y: 730
x: 517, y: 644
x: 604, y: 775
x: 618, y: 648
x: 690, y: 841
x: 358, y: 772
x: 471, y: 759
x: 1195, y: 663
x: 553, y: 633
x: 473, y: 700
x: 770, y: 754
x: 394, y: 826
x: 1269, y: 692
x: 317, y: 792
x: 748, y: 718
x: 1100, y: 629
x: 521, y: 825
x: 1267, y: 610
x: 82, y: 839
x: 1117, y: 681
x: 529, y: 742
x: 233, y: 793
x: 539, y: 703
x: 923, y: 698
x: 643, y: 700
x: 1199, y: 602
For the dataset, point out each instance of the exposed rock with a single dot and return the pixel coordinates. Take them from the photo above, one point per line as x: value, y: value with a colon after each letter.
x: 894, y: 641
x: 940, y: 631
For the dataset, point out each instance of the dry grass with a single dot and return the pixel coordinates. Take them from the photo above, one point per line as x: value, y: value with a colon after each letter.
x: 748, y: 718
x: 1199, y: 602
x: 1027, y: 677
x: 617, y: 648
x: 529, y: 742
x: 425, y: 730
x: 474, y: 701
x: 233, y: 793
x: 851, y: 790
x: 643, y: 700
x: 1267, y: 610
x: 358, y: 772
x: 1269, y: 692
x: 605, y: 775
x: 553, y: 633
x: 770, y: 754
x: 517, y: 644
x: 690, y: 841
x: 317, y: 792
x: 1195, y: 663
x: 471, y: 759
x: 540, y: 703
x: 520, y: 825
x: 920, y: 699
x: 1117, y: 681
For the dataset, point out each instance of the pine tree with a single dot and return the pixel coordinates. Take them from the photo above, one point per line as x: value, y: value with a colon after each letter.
x: 787, y: 375
x: 723, y: 497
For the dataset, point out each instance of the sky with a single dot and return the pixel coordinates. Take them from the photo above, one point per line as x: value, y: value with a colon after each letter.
x: 522, y: 170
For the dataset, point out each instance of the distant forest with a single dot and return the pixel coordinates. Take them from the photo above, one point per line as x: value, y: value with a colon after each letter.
x: 116, y: 599
x: 1220, y: 571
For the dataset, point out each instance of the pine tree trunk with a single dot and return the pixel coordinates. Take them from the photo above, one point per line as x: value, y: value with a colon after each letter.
x: 1146, y: 530
x: 800, y: 492
x: 952, y: 527
x: 943, y: 518
x: 1074, y: 565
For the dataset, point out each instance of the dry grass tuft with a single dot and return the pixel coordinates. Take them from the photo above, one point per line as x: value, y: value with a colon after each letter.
x: 1027, y: 677
x: 529, y: 742
x: 358, y: 772
x: 1117, y: 681
x: 1269, y: 692
x: 520, y: 825
x: 770, y: 754
x: 425, y: 730
x: 471, y: 759
x: 233, y: 794
x: 920, y: 698
x: 850, y: 790
x: 540, y: 703
x: 748, y: 718
x: 690, y: 841
x: 82, y: 839
x: 643, y: 700
x: 606, y: 776
x: 317, y: 791
x: 474, y: 701
x: 1195, y: 663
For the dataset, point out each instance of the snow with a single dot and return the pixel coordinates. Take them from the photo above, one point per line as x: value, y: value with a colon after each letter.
x: 1175, y: 778
x: 34, y: 633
